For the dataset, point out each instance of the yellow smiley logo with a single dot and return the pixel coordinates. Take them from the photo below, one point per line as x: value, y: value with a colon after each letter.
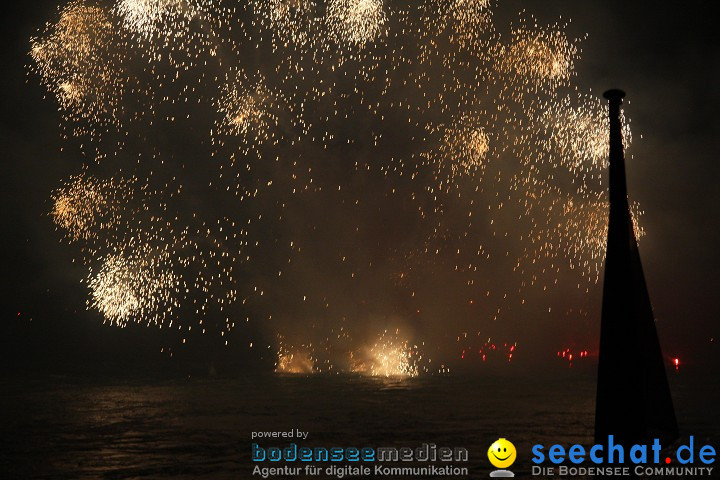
x: 502, y: 453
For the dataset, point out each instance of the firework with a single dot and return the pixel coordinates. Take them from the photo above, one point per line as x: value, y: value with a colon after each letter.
x: 577, y: 233
x: 463, y: 148
x: 247, y: 109
x: 569, y: 356
x: 372, y: 144
x: 131, y: 287
x: 475, y: 347
x: 579, y: 132
x: 293, y: 360
x: 471, y: 18
x: 77, y: 60
x: 356, y: 22
x: 540, y: 56
x: 152, y: 18
x: 293, y: 21
x: 86, y: 206
x: 388, y: 357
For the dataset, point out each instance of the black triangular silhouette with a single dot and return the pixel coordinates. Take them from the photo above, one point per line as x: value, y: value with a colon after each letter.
x: 633, y: 395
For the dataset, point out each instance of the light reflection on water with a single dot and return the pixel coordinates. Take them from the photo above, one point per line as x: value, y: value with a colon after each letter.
x: 200, y: 428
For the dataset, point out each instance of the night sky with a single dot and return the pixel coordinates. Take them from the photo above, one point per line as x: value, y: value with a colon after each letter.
x: 664, y: 57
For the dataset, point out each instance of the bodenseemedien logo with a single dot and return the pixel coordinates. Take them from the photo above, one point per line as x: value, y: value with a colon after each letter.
x: 502, y: 455
x: 427, y: 460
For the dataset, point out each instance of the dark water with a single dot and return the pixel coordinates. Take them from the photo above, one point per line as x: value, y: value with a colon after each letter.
x: 200, y: 428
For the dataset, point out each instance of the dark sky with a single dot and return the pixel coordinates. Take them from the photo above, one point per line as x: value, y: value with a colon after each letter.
x: 665, y: 57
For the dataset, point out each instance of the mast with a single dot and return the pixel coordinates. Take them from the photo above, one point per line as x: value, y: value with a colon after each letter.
x: 633, y: 395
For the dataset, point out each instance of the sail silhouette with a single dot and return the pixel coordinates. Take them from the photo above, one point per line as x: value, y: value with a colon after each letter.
x: 633, y: 396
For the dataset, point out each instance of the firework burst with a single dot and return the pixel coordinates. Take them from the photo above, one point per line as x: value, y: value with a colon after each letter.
x: 87, y: 206
x: 160, y: 18
x: 350, y: 150
x: 389, y: 356
x: 471, y: 18
x: 463, y: 148
x: 131, y: 287
x: 247, y: 109
x: 294, y: 21
x: 355, y: 22
x: 537, y: 56
x: 578, y: 130
x: 77, y: 60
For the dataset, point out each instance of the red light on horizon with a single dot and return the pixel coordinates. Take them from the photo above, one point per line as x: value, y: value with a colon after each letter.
x: 569, y: 355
